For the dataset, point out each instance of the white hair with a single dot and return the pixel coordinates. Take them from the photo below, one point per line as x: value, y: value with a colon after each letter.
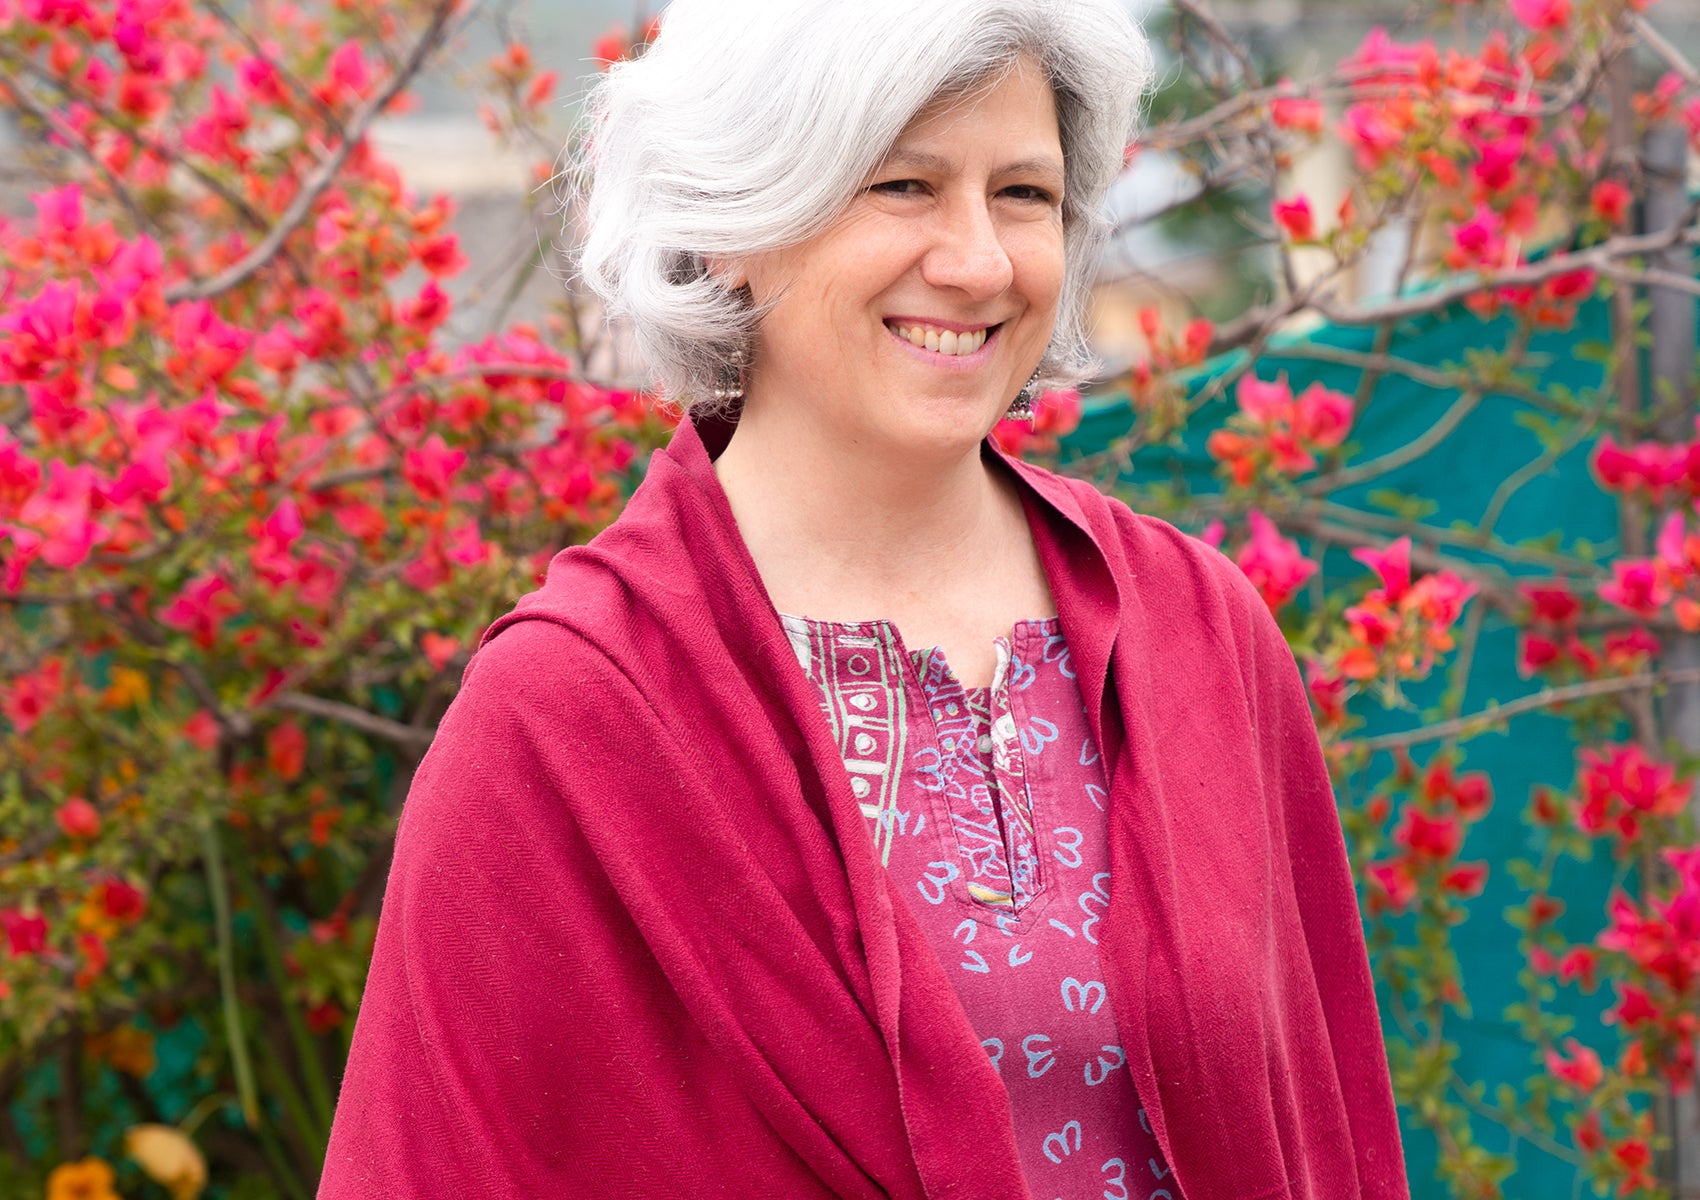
x: 751, y: 125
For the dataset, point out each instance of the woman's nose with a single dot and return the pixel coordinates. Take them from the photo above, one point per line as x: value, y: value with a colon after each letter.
x: 969, y: 254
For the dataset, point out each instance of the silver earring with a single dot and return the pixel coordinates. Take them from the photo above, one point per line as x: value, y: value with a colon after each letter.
x: 1022, y: 408
x: 730, y: 382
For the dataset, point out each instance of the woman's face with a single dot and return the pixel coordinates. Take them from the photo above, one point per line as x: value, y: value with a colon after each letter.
x: 913, y: 321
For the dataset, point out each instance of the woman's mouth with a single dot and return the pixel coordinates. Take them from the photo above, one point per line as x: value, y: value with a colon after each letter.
x: 941, y: 343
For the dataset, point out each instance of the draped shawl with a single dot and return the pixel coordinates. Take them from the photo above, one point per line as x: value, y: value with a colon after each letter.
x: 636, y: 943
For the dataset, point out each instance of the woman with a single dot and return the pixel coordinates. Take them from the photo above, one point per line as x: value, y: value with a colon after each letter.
x: 708, y: 885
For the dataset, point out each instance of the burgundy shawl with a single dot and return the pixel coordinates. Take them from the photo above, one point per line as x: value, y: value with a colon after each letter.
x: 636, y: 942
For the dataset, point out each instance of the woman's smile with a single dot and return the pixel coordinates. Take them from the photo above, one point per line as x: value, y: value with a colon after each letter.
x: 945, y: 345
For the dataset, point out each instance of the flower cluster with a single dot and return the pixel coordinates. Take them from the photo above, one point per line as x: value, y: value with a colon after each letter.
x: 1275, y: 564
x: 256, y: 498
x: 1658, y: 995
x: 1152, y: 385
x: 1551, y: 644
x: 1438, y: 809
x: 1277, y: 435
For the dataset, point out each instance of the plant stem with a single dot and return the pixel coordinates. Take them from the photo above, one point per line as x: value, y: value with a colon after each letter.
x: 244, y: 1069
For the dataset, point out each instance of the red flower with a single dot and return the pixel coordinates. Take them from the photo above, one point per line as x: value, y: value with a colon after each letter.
x: 1395, y: 882
x: 1610, y: 201
x: 1578, y: 964
x: 1466, y: 880
x: 24, y: 934
x: 1634, y: 1007
x: 1294, y: 216
x: 1296, y: 113
x: 78, y: 818
x: 324, y: 1017
x: 1429, y: 837
x: 438, y: 649
x: 121, y: 901
x: 286, y: 750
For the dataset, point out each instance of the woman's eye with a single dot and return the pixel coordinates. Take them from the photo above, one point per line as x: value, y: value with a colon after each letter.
x: 1027, y: 191
x: 899, y: 187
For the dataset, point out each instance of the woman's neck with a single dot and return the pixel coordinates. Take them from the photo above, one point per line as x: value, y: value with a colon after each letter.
x: 859, y: 530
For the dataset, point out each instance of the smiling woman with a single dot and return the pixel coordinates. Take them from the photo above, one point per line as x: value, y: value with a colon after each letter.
x: 865, y: 813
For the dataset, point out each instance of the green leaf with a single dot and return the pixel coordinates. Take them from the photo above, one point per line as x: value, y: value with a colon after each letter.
x: 1401, y: 504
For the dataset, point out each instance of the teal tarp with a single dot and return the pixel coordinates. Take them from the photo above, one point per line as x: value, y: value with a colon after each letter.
x: 1459, y: 475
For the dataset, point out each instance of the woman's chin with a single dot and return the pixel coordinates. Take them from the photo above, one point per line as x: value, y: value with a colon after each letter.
x: 937, y: 429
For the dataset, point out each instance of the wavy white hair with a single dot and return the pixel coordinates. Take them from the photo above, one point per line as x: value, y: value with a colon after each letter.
x: 751, y: 125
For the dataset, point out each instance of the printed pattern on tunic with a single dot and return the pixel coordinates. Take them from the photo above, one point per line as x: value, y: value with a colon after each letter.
x: 988, y: 808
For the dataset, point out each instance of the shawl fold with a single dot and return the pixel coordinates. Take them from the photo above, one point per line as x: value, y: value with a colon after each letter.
x: 636, y: 943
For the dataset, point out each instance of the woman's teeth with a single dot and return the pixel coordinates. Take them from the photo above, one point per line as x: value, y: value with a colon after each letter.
x: 942, y: 341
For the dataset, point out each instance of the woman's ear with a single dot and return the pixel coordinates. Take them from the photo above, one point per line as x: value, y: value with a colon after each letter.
x: 729, y: 273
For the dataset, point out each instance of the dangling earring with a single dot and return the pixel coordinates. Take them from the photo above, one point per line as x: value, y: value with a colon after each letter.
x: 1022, y: 408
x: 731, y: 378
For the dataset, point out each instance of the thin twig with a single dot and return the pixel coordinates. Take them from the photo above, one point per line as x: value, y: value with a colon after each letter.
x: 1481, y: 722
x: 407, y: 736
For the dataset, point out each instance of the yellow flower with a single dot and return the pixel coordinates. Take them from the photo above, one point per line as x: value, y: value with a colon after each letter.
x: 168, y: 1157
x: 90, y: 1179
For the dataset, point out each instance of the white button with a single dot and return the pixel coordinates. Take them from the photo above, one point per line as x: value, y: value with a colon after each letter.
x: 863, y: 702
x: 985, y: 743
x: 864, y: 743
x: 859, y: 786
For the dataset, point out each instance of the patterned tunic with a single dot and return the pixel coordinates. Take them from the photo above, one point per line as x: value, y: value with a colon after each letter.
x: 987, y: 806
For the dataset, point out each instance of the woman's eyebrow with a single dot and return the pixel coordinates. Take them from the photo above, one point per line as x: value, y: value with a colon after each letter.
x: 939, y: 164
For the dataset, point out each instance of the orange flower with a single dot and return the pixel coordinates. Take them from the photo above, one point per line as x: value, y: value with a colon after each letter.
x: 90, y: 1179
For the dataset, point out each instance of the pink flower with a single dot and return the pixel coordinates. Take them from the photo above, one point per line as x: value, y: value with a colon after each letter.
x: 1393, y: 565
x: 1634, y: 1007
x: 20, y: 474
x: 1395, y: 881
x: 201, y: 609
x: 1294, y: 216
x: 1638, y: 587
x: 1541, y: 15
x: 348, y: 73
x: 1322, y: 417
x: 1582, y: 1069
x: 430, y: 468
x: 1273, y: 563
x: 59, y: 515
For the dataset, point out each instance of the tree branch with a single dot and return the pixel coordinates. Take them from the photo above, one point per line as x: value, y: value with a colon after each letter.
x: 1481, y: 722
x: 238, y: 273
x: 408, y: 737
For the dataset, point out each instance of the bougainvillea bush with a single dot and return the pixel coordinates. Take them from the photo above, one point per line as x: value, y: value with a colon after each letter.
x: 258, y: 496
x: 257, y: 500
x: 1524, y: 160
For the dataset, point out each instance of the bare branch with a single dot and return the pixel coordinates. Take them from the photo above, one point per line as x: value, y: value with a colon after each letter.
x: 1487, y: 719
x: 1661, y: 45
x: 408, y: 737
